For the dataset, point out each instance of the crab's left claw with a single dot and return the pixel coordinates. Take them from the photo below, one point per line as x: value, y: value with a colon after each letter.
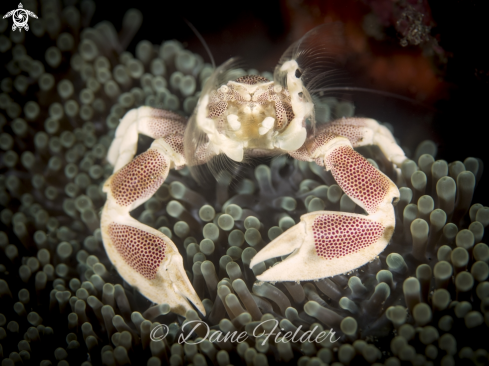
x: 290, y: 240
x: 324, y: 244
x: 329, y: 243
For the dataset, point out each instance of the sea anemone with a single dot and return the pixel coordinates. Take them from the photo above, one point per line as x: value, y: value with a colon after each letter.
x: 424, y: 300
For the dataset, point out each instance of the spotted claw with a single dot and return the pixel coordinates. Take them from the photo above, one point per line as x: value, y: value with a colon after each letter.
x: 148, y: 260
x: 324, y: 244
x: 328, y: 243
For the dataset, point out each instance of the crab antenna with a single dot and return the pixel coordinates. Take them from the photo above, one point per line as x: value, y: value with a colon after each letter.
x: 373, y: 91
x: 202, y: 40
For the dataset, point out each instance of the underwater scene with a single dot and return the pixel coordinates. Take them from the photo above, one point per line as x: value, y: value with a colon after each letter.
x: 147, y: 217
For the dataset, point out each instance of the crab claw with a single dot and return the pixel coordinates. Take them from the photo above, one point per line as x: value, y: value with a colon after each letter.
x: 145, y: 257
x: 328, y: 243
x: 324, y: 244
x: 148, y: 260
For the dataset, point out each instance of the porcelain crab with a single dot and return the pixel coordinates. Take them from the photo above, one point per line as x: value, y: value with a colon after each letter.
x: 248, y: 117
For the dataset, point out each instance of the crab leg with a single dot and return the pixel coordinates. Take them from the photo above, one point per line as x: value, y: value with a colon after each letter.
x: 155, y: 123
x: 366, y: 131
x: 327, y: 243
x: 145, y: 257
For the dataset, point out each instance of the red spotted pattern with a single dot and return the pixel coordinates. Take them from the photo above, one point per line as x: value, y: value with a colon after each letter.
x: 219, y: 102
x: 140, y: 178
x: 163, y: 123
x: 318, y: 141
x: 142, y: 251
x: 283, y: 109
x: 217, y: 109
x: 176, y: 143
x: 336, y: 236
x: 350, y: 128
x: 301, y: 154
x: 202, y: 154
x: 357, y: 177
x: 218, y: 99
x: 252, y: 79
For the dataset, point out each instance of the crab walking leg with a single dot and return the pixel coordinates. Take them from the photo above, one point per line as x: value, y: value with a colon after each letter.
x: 366, y: 131
x: 144, y: 257
x: 155, y: 123
x: 327, y: 243
x: 360, y: 132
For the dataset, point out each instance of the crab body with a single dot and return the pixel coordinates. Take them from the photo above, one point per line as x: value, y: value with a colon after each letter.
x: 247, y: 117
x: 253, y: 113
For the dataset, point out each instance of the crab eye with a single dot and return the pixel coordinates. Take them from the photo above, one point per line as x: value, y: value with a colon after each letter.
x: 298, y: 73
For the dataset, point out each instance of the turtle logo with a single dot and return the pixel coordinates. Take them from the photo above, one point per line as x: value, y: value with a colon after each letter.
x: 20, y: 17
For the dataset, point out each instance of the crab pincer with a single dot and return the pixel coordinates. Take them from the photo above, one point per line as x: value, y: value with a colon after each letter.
x: 143, y: 256
x: 327, y: 243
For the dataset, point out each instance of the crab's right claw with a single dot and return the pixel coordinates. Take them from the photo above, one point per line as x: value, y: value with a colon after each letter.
x: 145, y: 257
x: 148, y: 260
